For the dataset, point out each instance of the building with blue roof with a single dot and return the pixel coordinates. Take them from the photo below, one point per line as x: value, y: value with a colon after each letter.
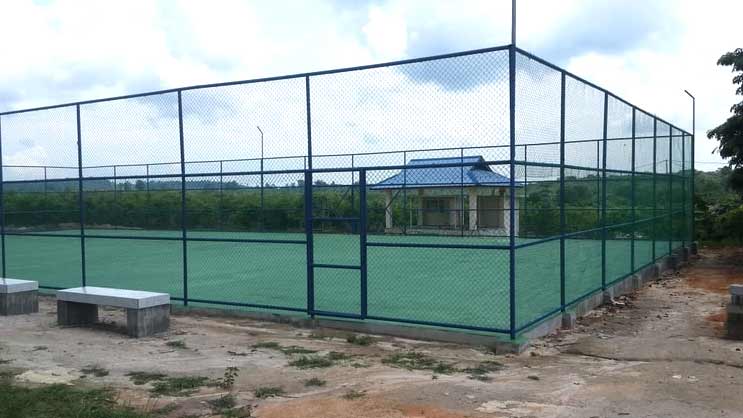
x: 451, y: 192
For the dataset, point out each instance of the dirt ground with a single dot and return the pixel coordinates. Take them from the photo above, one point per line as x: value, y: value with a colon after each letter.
x: 658, y: 353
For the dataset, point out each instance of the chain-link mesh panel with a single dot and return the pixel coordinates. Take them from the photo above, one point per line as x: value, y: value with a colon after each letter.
x: 537, y: 281
x: 40, y: 185
x: 381, y: 109
x: 450, y: 286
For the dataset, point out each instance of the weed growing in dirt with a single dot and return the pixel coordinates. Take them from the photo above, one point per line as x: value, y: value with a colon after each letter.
x: 413, y: 360
x: 311, y: 362
x: 315, y: 381
x: 142, y: 378
x: 362, y: 340
x: 178, y: 386
x: 95, y: 370
x: 228, y: 379
x: 177, y: 344
x: 338, y: 356
x: 354, y: 394
x: 268, y: 392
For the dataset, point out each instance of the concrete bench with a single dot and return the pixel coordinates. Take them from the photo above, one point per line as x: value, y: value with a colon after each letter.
x: 147, y: 313
x: 734, y: 322
x: 18, y: 297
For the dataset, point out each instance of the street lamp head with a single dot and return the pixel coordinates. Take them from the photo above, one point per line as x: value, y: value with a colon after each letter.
x: 690, y: 95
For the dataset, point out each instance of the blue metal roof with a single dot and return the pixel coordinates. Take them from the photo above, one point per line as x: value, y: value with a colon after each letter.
x: 475, y: 173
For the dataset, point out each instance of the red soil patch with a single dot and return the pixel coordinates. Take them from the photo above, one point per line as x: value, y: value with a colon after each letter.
x: 370, y: 407
x: 718, y: 320
x: 715, y: 273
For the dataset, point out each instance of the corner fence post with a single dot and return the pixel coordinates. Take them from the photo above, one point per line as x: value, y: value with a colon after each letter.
x: 308, y: 207
x: 2, y: 200
x: 562, y: 192
x: 633, y: 199
x: 362, y: 238
x: 183, y: 201
x: 683, y: 190
x: 512, y: 189
x: 80, y: 200
x: 603, y: 194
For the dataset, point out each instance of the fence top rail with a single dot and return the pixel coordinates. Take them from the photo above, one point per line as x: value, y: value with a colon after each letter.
x: 265, y: 79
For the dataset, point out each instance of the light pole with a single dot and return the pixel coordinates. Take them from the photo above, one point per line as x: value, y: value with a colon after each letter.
x: 693, y: 137
x: 262, y: 219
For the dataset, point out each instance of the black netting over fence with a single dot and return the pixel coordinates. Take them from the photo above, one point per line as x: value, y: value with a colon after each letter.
x: 484, y: 190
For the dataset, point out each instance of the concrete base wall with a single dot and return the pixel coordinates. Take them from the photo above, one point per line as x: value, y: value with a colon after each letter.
x: 625, y: 286
x: 73, y: 313
x: 498, y: 343
x: 19, y: 303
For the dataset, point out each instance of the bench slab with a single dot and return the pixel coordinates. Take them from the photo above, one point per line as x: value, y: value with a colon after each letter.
x: 130, y: 299
x: 17, y: 286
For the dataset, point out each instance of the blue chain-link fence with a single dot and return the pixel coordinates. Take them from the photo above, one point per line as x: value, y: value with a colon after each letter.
x: 483, y: 190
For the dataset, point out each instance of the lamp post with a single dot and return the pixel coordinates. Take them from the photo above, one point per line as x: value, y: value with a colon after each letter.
x: 693, y: 137
x: 262, y: 218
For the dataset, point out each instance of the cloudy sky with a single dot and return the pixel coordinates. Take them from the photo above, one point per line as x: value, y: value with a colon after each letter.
x: 646, y: 51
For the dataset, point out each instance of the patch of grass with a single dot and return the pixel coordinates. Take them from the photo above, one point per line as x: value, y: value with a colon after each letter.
x: 315, y: 381
x: 311, y: 362
x: 223, y: 402
x: 4, y: 361
x: 62, y: 401
x: 338, y: 356
x: 142, y: 378
x: 177, y: 344
x: 358, y: 365
x: 95, y: 370
x: 271, y: 345
x: 178, y: 386
x: 268, y: 392
x: 480, y: 372
x: 237, y: 354
x: 362, y: 340
x: 354, y: 394
x: 294, y: 349
x: 413, y: 360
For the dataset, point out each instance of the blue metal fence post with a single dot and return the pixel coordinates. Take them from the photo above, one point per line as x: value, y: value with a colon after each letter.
x: 183, y: 200
x: 633, y: 199
x: 603, y: 194
x: 308, y: 207
x: 683, y: 189
x: 2, y: 202
x: 562, y: 192
x: 670, y: 189
x: 655, y: 181
x: 362, y: 238
x: 512, y: 189
x: 80, y: 201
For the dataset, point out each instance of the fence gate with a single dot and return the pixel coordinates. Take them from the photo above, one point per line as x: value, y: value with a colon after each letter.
x: 336, y: 242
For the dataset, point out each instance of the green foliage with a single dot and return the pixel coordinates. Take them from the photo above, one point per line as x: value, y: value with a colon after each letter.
x: 178, y: 386
x: 268, y: 392
x: 732, y: 221
x: 362, y: 340
x: 61, y: 401
x: 95, y: 370
x: 311, y: 362
x: 413, y: 360
x: 315, y: 381
x: 730, y: 132
x: 142, y: 378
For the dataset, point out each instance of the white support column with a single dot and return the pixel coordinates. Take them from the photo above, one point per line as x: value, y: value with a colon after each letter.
x: 472, y: 194
x: 388, y: 209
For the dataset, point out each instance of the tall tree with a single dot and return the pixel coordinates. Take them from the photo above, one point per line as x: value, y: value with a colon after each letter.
x: 730, y: 133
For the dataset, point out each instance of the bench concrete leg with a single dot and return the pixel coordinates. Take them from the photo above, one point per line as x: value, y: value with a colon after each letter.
x: 73, y: 313
x: 19, y: 303
x: 147, y: 321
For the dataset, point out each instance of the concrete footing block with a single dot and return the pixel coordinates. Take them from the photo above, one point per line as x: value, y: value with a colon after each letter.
x: 19, y: 303
x: 637, y: 282
x: 73, y: 313
x: 147, y: 321
x: 694, y: 248
x: 569, y: 320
